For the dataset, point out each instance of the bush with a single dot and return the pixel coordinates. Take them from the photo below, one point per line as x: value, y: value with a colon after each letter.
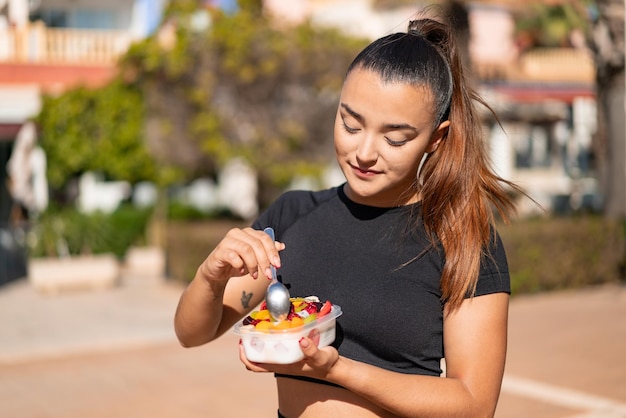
x: 69, y: 232
x: 189, y: 243
x: 543, y: 254
x: 177, y: 211
x: 567, y: 252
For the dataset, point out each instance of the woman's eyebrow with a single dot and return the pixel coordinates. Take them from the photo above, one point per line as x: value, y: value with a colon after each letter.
x: 399, y: 127
x: 352, y: 113
x: 386, y: 126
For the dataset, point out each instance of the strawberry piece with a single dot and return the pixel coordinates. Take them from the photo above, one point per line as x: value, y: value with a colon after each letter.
x: 311, y: 308
x: 250, y: 321
x: 325, y: 309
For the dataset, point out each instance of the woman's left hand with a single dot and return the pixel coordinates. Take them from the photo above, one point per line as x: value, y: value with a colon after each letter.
x: 317, y: 362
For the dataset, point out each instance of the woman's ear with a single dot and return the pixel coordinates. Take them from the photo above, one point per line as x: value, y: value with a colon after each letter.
x: 438, y: 135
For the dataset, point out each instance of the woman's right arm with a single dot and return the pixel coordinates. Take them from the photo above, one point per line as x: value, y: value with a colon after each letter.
x: 228, y: 284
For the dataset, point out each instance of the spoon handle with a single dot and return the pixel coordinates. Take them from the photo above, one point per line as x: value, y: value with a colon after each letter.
x: 270, y: 231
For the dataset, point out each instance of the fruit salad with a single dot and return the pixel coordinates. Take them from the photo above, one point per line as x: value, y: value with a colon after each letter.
x: 267, y: 341
x: 303, y: 311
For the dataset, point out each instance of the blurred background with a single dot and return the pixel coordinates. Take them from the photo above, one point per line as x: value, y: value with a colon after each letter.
x: 128, y: 128
x: 134, y: 134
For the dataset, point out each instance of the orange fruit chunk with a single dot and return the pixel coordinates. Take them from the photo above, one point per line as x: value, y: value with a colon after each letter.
x: 296, y: 321
x: 284, y: 324
x: 261, y: 315
x: 263, y: 326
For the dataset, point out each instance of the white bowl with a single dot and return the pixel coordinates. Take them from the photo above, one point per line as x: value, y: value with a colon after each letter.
x: 282, y: 346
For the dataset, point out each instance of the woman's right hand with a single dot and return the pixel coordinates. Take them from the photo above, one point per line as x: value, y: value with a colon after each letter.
x: 207, y: 308
x: 242, y: 251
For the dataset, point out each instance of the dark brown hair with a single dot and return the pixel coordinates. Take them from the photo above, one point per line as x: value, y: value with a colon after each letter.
x: 459, y: 189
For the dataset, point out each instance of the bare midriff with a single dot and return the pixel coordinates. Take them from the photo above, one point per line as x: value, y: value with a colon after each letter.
x: 297, y: 398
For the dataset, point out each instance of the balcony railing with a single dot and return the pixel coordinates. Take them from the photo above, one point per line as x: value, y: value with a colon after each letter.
x: 542, y: 65
x: 39, y: 44
x: 558, y: 64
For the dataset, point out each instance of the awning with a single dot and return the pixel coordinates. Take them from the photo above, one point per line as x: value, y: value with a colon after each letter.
x: 534, y: 92
x: 8, y: 131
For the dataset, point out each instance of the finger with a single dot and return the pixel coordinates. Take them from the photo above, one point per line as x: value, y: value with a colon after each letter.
x: 308, y: 347
x: 247, y: 249
x: 253, y: 367
x: 243, y: 358
x: 309, y: 344
x: 272, y: 248
x: 264, y: 249
x: 242, y: 355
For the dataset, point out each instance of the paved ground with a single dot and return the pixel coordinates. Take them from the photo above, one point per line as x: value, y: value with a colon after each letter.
x: 113, y: 353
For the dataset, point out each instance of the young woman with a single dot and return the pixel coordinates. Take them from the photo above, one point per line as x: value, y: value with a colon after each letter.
x: 407, y: 247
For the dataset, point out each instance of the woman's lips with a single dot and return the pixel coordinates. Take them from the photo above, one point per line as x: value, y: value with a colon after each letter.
x: 364, y: 172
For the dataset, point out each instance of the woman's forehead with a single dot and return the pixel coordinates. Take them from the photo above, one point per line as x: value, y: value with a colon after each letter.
x: 365, y: 90
x: 360, y: 76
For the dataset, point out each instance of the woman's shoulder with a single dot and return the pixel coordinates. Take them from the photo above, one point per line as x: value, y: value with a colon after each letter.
x: 494, y: 270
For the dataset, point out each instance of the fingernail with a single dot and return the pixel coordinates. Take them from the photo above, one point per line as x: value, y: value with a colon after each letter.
x: 240, y: 342
x: 255, y: 274
x: 304, y: 343
x: 276, y: 261
x: 268, y: 273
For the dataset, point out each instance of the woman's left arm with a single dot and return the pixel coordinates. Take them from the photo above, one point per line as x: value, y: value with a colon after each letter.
x: 475, y: 338
x: 475, y: 341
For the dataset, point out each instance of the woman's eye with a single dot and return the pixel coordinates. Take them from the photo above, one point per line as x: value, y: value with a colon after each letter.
x: 349, y: 129
x: 395, y: 143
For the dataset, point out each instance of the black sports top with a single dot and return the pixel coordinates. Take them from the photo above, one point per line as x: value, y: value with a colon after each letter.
x: 386, y: 279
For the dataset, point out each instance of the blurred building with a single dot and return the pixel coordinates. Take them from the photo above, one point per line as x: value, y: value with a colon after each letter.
x: 48, y: 46
x: 545, y: 99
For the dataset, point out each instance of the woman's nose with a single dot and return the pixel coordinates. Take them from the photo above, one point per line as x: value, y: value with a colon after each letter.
x: 367, y: 153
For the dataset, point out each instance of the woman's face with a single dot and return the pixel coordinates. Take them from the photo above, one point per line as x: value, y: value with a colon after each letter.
x: 382, y: 131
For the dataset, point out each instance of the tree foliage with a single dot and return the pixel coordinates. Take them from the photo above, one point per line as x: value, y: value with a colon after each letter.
x: 551, y: 24
x: 95, y: 130
x: 241, y: 87
x: 190, y: 98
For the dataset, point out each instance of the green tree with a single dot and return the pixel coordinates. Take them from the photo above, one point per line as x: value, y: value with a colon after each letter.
x: 544, y: 24
x: 95, y: 130
x: 242, y: 87
x: 99, y: 130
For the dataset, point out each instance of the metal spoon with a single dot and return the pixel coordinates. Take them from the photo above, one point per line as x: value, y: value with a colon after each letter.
x: 276, y: 295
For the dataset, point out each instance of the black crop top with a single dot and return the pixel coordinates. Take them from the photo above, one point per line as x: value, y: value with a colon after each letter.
x: 363, y: 259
